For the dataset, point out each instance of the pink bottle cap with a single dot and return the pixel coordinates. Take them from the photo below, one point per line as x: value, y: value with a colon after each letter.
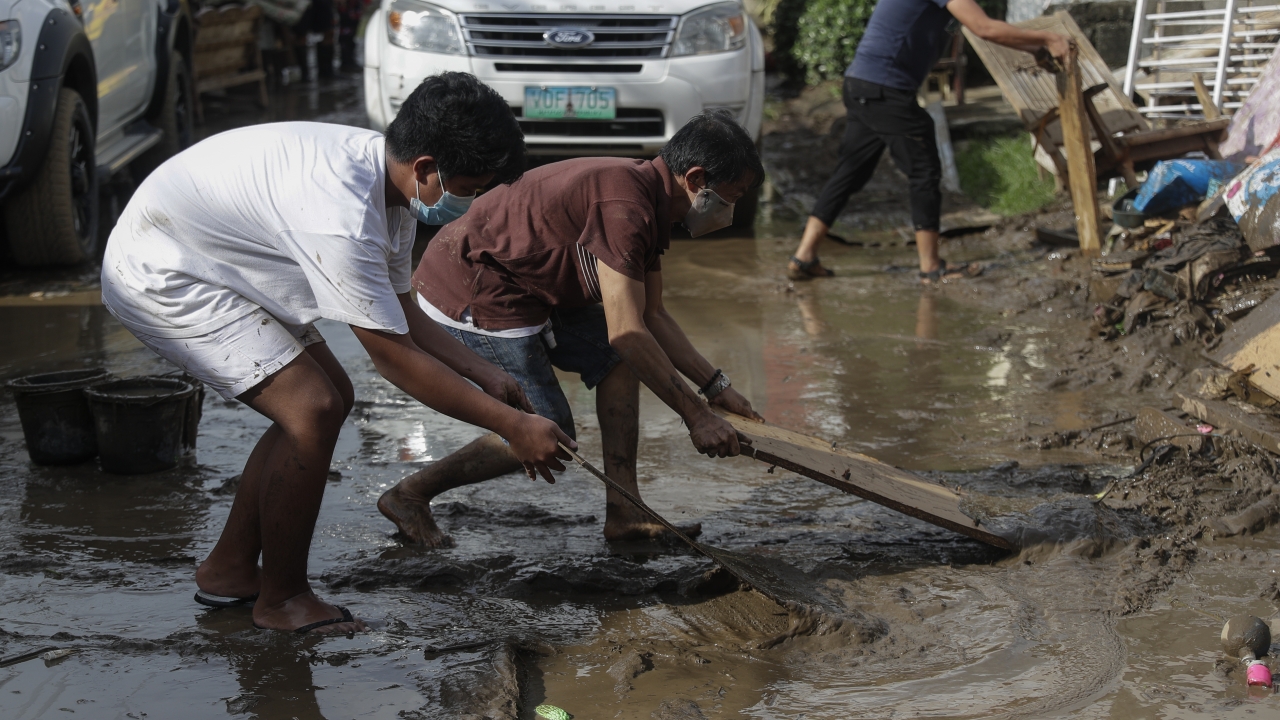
x: 1259, y: 674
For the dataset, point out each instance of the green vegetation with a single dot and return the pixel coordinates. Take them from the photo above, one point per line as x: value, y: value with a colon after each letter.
x: 1000, y: 174
x: 814, y: 40
x: 827, y: 34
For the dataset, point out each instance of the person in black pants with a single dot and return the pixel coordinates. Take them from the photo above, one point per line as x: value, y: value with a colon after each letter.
x: 900, y: 45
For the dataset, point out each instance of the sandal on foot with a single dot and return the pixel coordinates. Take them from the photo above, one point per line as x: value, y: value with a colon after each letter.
x: 221, y: 601
x: 798, y: 269
x: 347, y: 617
x: 956, y: 272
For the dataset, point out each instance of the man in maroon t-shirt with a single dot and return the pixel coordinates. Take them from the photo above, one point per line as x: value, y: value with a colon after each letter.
x: 562, y: 268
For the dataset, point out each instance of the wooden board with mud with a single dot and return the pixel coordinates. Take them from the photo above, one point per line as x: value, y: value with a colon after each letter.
x: 1253, y: 345
x: 861, y: 475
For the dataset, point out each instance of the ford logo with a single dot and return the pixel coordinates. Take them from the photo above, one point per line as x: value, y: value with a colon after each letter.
x: 569, y: 38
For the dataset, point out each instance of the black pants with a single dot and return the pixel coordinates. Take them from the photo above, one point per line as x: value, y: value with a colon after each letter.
x: 881, y: 116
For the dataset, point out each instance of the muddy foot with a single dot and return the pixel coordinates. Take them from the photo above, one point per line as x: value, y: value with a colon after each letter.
x: 616, y: 531
x: 228, y: 582
x: 413, y: 518
x: 302, y: 610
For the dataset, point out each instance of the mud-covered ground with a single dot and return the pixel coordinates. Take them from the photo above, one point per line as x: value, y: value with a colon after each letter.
x: 991, y: 384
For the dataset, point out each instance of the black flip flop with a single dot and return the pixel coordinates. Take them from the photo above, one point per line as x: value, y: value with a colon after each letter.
x: 219, y: 601
x: 347, y: 617
x: 965, y: 272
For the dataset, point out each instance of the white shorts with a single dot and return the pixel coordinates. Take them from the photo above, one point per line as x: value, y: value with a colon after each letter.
x: 239, y: 355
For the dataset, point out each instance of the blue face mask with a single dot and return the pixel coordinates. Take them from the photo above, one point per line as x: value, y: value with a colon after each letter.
x: 448, y: 208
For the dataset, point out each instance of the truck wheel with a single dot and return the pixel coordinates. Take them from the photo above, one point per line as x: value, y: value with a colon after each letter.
x: 54, y: 221
x: 175, y: 119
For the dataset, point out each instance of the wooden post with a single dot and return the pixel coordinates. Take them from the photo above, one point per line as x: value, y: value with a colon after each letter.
x: 1081, y: 175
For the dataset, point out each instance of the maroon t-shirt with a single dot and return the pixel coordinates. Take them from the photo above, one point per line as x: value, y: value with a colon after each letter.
x: 525, y: 248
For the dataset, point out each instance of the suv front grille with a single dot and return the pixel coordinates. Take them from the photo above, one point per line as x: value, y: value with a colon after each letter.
x: 615, y: 68
x: 631, y: 122
x: 616, y: 36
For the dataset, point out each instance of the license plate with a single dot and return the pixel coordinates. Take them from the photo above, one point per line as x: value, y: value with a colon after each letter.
x: 554, y: 103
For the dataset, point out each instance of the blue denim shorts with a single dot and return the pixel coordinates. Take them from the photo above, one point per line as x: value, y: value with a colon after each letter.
x: 581, y: 346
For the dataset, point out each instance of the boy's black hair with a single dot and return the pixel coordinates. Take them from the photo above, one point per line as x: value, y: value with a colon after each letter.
x: 461, y: 122
x: 714, y: 141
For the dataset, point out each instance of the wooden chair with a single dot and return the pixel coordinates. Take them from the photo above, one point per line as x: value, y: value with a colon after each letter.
x: 948, y: 71
x: 1126, y: 141
x: 227, y: 52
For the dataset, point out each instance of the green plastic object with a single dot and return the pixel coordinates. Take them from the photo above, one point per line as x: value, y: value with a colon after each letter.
x: 551, y: 712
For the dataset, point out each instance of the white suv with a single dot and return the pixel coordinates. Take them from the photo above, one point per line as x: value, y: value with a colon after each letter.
x: 585, y: 77
x: 88, y: 88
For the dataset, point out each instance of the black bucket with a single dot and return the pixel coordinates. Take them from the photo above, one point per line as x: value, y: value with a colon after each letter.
x: 56, y: 421
x: 141, y: 423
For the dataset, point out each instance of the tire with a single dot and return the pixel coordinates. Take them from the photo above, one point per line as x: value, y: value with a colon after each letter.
x: 175, y: 119
x: 54, y: 220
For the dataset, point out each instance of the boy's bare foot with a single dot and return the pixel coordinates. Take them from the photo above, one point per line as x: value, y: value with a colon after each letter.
x: 616, y: 530
x: 228, y: 581
x: 302, y: 610
x: 413, y: 517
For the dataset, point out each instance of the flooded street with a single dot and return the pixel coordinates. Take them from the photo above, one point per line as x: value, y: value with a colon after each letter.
x: 533, y: 606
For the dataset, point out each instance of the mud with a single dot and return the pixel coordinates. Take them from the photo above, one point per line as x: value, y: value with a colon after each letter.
x: 996, y: 385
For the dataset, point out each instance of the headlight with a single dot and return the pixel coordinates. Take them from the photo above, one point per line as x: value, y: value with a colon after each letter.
x: 719, y: 28
x: 10, y: 42
x: 417, y: 26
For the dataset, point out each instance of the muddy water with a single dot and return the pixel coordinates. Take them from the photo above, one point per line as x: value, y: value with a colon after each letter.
x: 532, y: 606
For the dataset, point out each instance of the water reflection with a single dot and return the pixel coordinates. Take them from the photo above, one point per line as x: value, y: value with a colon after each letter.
x: 274, y: 673
x: 80, y: 511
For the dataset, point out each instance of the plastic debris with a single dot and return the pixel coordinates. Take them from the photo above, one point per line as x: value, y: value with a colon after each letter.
x: 1248, y: 637
x: 551, y: 712
x: 1175, y: 184
x: 52, y: 655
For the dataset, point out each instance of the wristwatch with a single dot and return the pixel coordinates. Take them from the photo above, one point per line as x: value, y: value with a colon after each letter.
x: 716, y: 385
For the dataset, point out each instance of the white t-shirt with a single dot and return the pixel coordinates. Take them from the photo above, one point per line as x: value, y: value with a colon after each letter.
x: 289, y: 217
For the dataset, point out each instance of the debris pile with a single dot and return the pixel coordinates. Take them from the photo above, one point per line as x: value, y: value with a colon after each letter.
x: 1197, y: 277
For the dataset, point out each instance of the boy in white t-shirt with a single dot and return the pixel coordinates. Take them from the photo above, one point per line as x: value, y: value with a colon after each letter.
x: 228, y: 253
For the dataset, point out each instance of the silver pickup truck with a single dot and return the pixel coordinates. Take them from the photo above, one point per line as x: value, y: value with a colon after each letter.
x: 88, y: 89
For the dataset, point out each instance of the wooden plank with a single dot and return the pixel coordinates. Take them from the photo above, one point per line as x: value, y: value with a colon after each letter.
x: 1200, y: 129
x: 1256, y: 427
x: 1254, y: 342
x: 861, y: 475
x: 1207, y: 106
x: 1154, y: 426
x: 1081, y: 175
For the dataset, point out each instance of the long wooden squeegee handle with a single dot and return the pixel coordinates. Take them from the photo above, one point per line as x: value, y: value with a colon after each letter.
x: 634, y: 501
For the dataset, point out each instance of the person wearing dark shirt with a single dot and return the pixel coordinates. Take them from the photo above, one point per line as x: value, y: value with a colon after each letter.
x: 893, y: 59
x: 563, y: 269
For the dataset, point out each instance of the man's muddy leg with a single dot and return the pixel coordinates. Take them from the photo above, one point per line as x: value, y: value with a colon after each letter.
x: 231, y: 570
x: 927, y: 250
x: 308, y: 410
x: 814, y: 232
x: 618, y: 408
x: 408, y: 503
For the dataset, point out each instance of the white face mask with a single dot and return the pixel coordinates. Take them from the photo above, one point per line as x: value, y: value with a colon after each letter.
x: 708, y: 213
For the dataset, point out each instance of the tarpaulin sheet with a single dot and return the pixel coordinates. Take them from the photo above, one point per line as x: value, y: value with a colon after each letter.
x: 1251, y: 200
x: 1256, y: 124
x: 1174, y: 184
